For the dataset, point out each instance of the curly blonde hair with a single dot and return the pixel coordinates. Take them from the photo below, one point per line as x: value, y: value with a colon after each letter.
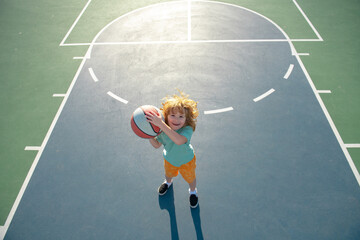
x: 181, y: 103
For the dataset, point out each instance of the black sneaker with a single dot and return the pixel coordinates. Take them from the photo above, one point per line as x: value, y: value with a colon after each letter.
x: 163, y: 188
x: 194, y: 201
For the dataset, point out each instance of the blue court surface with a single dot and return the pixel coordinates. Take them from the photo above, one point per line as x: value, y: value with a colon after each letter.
x: 268, y: 163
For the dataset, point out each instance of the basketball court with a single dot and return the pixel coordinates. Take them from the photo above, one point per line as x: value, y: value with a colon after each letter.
x: 269, y: 165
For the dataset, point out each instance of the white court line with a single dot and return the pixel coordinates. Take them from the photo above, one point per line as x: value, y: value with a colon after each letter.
x: 91, y: 71
x: 59, y: 95
x: 304, y: 54
x: 187, y: 41
x: 180, y: 42
x: 189, y: 23
x: 306, y: 40
x: 264, y: 95
x: 117, y: 97
x: 76, y: 21
x: 289, y: 71
x: 32, y: 148
x: 323, y: 91
x: 2, y: 232
x: 78, y: 58
x: 74, y: 44
x: 219, y: 110
x: 189, y: 20
x: 352, y: 145
x: 308, y: 20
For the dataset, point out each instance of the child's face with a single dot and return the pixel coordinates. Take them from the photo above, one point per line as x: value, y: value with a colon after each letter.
x: 176, y: 120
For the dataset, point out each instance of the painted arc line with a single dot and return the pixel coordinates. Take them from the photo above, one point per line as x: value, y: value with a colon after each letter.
x: 91, y: 71
x: 219, y: 110
x: 264, y: 95
x: 32, y: 148
x: 291, y: 67
x: 324, y: 91
x: 287, y: 39
x: 117, y: 97
x: 352, y: 145
x: 189, y: 20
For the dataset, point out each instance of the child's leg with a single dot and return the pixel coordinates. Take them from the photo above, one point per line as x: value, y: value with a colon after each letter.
x: 170, y: 171
x: 168, y: 179
x: 188, y: 172
x: 192, y: 185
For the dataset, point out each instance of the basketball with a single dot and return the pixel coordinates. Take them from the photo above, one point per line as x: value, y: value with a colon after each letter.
x: 141, y: 126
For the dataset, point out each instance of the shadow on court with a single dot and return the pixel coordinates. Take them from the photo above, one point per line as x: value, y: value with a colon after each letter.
x: 167, y: 203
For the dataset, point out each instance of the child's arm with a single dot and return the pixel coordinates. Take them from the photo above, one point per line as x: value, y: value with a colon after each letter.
x: 155, y: 143
x: 174, y: 136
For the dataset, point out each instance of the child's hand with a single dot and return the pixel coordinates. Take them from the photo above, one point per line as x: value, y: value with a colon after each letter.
x: 154, y: 118
x: 155, y: 143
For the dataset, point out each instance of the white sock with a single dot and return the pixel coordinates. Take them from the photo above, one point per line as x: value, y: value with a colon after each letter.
x: 193, y: 192
x: 169, y: 184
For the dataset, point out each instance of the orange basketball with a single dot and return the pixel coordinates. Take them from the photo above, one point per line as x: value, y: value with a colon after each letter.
x: 141, y: 126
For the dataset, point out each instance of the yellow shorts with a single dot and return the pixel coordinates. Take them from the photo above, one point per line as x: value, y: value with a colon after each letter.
x: 186, y: 170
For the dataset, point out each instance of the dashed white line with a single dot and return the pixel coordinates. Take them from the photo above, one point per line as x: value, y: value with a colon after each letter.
x: 324, y: 91
x: 91, y: 71
x: 32, y: 148
x: 264, y: 95
x: 352, y: 145
x: 59, y: 95
x: 219, y: 110
x: 287, y: 75
x: 117, y: 97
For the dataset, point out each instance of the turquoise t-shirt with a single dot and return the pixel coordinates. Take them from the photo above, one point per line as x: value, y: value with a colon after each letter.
x: 177, y: 155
